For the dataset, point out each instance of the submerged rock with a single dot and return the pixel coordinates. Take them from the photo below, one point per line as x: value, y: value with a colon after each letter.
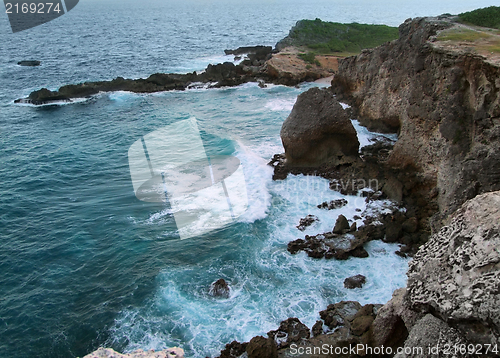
x: 318, y: 131
x: 355, y: 281
x: 307, y: 221
x: 334, y: 204
x: 30, y: 63
x: 220, y: 288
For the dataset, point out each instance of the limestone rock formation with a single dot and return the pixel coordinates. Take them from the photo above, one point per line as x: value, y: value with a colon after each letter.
x: 435, y: 339
x: 456, y: 274
x: 444, y: 103
x: 318, y: 131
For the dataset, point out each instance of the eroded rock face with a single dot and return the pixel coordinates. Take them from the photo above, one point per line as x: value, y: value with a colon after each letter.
x: 433, y: 336
x: 445, y: 105
x: 318, y: 131
x: 456, y: 274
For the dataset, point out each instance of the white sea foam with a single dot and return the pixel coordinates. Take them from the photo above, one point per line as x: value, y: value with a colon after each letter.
x: 268, y: 284
x: 278, y: 105
x: 344, y: 105
x: 366, y: 137
x: 56, y: 103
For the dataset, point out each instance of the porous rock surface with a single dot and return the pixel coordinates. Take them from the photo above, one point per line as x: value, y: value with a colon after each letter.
x: 456, y: 274
x: 318, y: 131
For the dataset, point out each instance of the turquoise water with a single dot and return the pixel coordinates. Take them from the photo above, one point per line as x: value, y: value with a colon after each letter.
x: 84, y: 263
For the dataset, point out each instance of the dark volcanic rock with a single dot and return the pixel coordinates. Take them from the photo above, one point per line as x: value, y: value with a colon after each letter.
x: 29, y: 63
x: 329, y: 245
x: 233, y: 350
x: 220, y: 288
x: 307, y: 221
x: 355, y: 281
x: 260, y: 347
x: 340, y: 314
x: 317, y: 328
x: 341, y: 225
x: 334, y: 204
x: 262, y: 52
x: 290, y: 331
x: 318, y: 131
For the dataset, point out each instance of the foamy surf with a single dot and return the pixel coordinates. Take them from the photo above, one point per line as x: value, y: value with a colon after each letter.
x: 268, y: 284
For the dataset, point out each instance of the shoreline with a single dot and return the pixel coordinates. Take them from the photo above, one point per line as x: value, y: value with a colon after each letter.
x: 261, y: 64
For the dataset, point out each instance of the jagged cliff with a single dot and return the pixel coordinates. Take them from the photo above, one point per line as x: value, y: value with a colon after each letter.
x: 445, y: 103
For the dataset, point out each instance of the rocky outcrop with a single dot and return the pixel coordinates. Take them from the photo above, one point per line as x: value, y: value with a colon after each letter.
x: 258, y: 66
x: 220, y: 289
x: 354, y: 282
x: 290, y: 331
x: 318, y: 131
x: 306, y: 222
x: 456, y: 275
x: 333, y: 204
x: 444, y: 103
x: 261, y: 347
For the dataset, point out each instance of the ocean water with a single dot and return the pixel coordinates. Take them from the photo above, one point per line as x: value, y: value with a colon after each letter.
x: 83, y: 263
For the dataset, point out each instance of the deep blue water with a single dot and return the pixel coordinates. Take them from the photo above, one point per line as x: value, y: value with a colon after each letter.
x: 83, y: 263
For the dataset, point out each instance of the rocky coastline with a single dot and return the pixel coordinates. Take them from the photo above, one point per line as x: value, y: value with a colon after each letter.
x: 444, y: 102
x: 444, y: 171
x: 259, y: 64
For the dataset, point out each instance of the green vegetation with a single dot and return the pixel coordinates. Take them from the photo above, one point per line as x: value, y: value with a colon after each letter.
x: 462, y: 35
x: 310, y: 57
x: 486, y: 17
x: 332, y: 37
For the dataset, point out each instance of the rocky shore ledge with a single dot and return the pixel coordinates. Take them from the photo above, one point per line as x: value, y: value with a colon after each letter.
x: 260, y: 64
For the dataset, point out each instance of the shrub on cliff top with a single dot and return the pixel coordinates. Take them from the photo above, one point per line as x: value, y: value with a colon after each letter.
x: 328, y: 37
x: 486, y: 17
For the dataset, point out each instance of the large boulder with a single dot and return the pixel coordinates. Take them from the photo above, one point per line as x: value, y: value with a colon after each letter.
x: 318, y: 131
x: 456, y: 274
x: 260, y: 347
